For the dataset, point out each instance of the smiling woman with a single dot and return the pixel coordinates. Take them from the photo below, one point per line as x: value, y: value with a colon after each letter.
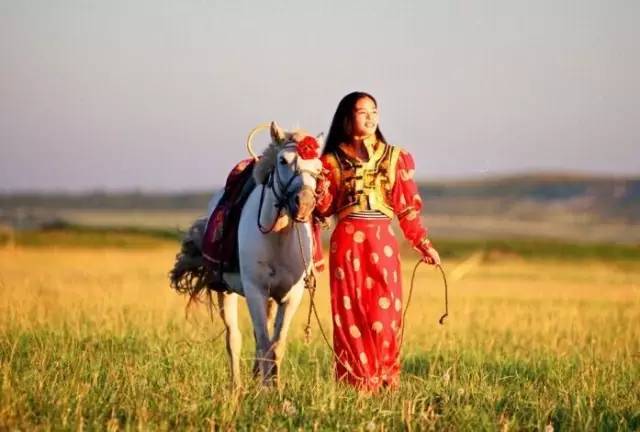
x: 367, y: 182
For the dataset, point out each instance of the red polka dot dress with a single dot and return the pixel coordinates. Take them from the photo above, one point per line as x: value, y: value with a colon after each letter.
x: 365, y: 278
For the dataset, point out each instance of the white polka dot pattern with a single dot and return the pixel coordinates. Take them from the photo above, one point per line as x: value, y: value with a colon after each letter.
x: 384, y: 303
x: 356, y: 264
x: 406, y: 175
x: 354, y: 331
x: 346, y: 302
x: 365, y: 275
x: 368, y: 282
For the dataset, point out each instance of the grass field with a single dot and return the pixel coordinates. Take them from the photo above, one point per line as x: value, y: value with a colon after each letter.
x: 93, y: 338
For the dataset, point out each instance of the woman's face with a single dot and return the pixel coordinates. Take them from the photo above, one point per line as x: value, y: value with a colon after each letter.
x: 365, y: 118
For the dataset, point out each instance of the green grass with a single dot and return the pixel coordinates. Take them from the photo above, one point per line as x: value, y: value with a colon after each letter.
x: 95, y: 339
x: 69, y: 235
x: 63, y: 377
x: 540, y: 249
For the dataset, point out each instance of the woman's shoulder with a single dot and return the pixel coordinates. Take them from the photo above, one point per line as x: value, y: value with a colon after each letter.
x: 402, y: 153
x: 394, y: 147
x: 399, y: 154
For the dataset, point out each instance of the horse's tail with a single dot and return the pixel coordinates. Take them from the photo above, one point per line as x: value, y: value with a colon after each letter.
x: 190, y: 275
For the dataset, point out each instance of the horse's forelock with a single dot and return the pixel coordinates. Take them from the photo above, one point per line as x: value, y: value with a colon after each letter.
x: 268, y: 159
x: 298, y: 135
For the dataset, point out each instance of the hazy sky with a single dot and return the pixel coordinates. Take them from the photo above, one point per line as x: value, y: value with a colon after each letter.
x: 160, y: 95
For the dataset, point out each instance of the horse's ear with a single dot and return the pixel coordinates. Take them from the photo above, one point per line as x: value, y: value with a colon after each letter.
x: 277, y: 134
x: 320, y: 139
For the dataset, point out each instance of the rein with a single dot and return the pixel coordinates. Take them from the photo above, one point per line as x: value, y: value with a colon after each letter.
x: 281, y: 200
x: 446, y: 299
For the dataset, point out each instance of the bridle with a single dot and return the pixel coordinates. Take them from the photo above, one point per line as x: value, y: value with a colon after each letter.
x: 282, y: 191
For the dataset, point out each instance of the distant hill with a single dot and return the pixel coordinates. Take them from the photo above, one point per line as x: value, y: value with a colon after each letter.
x: 564, y: 206
x: 106, y: 200
x: 605, y: 198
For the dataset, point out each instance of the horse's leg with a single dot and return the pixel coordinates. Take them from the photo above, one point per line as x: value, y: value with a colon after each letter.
x: 228, y: 305
x: 286, y: 311
x: 271, y: 315
x: 257, y: 303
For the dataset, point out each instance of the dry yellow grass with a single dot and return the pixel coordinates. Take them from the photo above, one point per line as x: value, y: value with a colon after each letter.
x: 95, y: 337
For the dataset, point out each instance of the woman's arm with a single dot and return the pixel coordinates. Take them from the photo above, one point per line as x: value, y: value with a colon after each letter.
x: 407, y: 205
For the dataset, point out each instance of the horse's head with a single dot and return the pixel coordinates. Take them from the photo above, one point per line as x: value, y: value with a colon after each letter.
x: 289, y: 167
x: 296, y: 168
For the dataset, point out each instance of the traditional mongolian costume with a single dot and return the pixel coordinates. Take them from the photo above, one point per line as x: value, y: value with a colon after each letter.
x: 364, y: 263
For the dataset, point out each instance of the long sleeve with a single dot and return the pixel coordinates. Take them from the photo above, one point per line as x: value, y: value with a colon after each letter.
x: 326, y: 189
x: 406, y: 200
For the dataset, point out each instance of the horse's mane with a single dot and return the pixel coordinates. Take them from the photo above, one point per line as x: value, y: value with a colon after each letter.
x: 265, y: 164
x: 267, y: 161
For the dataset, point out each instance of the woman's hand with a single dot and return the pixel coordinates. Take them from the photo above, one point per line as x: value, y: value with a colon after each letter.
x: 429, y: 254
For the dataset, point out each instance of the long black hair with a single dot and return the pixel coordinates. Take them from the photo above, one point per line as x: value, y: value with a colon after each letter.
x: 342, y: 123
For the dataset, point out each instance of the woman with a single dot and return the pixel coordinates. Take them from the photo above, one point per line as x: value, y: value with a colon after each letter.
x: 367, y: 182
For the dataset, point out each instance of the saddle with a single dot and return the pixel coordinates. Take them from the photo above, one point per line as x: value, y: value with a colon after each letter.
x: 220, y: 241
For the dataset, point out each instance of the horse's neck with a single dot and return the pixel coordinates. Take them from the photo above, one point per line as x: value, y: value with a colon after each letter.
x: 267, y: 206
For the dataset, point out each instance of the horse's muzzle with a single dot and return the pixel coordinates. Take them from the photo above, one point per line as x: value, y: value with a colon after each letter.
x: 306, y: 202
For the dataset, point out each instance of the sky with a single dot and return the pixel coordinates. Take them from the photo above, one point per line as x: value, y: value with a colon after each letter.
x: 158, y: 95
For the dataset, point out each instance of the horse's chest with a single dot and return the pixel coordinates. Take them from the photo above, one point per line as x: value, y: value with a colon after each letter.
x: 278, y: 278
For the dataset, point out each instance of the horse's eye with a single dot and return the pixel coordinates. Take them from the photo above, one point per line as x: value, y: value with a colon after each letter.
x: 283, y: 161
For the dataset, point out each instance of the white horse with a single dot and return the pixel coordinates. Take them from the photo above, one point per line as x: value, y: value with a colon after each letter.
x: 275, y: 252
